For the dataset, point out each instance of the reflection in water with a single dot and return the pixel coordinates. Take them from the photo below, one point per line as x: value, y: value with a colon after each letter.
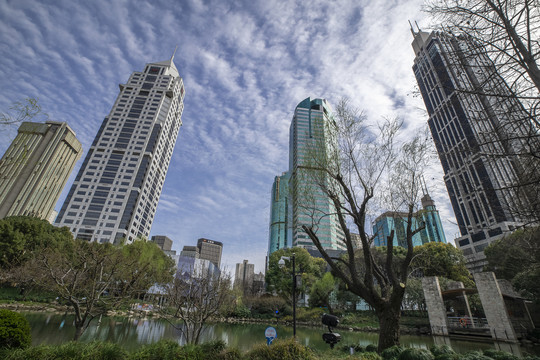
x: 132, y: 332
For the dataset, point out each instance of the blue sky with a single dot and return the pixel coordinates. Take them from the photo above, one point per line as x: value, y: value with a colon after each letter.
x: 245, y: 65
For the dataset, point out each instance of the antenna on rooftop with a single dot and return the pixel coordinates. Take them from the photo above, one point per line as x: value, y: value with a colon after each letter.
x: 174, y: 53
x: 412, y: 29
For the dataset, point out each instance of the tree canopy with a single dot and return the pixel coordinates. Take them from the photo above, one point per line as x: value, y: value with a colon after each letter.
x: 21, y: 236
x: 440, y: 259
x: 517, y: 258
x: 279, y: 279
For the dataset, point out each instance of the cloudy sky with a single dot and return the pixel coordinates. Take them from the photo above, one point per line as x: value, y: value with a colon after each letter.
x: 245, y: 64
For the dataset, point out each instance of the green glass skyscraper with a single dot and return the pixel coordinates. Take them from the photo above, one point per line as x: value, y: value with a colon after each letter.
x: 279, y: 214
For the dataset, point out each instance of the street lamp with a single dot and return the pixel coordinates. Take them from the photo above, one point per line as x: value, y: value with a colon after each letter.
x: 281, y: 264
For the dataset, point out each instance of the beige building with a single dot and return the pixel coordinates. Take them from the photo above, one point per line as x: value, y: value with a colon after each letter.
x: 36, y: 167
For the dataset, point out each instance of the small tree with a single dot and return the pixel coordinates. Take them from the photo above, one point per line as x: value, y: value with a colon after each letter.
x: 279, y: 279
x: 358, y: 166
x: 321, y: 291
x: 195, y: 296
x: 93, y: 278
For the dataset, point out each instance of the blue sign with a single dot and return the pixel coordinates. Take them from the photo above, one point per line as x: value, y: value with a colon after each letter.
x: 270, y: 333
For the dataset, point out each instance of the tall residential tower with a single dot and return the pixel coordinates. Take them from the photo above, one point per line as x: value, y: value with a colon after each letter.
x: 36, y: 167
x: 116, y: 191
x: 477, y: 136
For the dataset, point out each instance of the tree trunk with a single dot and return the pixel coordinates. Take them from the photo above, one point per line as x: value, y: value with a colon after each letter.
x: 388, y: 327
x: 79, y: 329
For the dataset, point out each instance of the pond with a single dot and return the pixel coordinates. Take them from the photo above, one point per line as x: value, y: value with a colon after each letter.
x: 132, y: 332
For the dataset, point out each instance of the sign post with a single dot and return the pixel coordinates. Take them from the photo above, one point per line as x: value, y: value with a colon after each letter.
x: 270, y: 333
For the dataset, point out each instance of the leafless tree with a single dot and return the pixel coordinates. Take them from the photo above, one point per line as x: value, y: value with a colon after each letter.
x: 353, y: 166
x: 196, y: 296
x: 508, y: 30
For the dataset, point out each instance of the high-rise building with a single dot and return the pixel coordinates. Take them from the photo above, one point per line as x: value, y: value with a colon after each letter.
x: 476, y: 135
x: 309, y: 132
x: 210, y: 250
x: 163, y: 242
x: 190, y: 251
x: 244, y: 276
x: 36, y: 167
x: 397, y: 221
x: 279, y: 214
x: 116, y: 191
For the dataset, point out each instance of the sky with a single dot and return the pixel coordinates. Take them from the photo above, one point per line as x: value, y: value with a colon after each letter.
x: 246, y: 65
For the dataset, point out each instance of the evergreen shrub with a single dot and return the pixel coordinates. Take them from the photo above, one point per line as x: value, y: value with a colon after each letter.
x: 392, y: 352
x: 499, y: 355
x: 14, y: 330
x: 280, y: 350
x: 437, y: 350
x: 416, y: 354
x: 371, y: 348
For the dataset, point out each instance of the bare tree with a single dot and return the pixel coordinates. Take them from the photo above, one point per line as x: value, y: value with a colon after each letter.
x: 508, y: 30
x: 20, y: 111
x: 354, y: 169
x: 93, y: 278
x: 196, y: 295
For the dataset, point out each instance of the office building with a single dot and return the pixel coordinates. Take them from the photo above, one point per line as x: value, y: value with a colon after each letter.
x: 475, y: 135
x: 279, y: 214
x: 397, y: 221
x: 210, y: 250
x: 36, y: 167
x: 163, y: 242
x: 244, y: 277
x: 309, y: 132
x: 190, y: 251
x: 116, y: 192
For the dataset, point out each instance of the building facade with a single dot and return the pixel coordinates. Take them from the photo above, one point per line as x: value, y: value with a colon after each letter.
x: 309, y: 132
x: 244, y: 276
x: 475, y: 134
x: 163, y: 242
x: 36, y: 167
x: 116, y: 192
x: 397, y: 221
x: 279, y: 214
x: 210, y: 250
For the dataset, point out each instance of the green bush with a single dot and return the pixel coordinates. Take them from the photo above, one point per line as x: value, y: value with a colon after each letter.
x: 71, y: 350
x: 450, y: 356
x: 161, y: 350
x: 370, y: 356
x: 241, y: 311
x: 500, y: 355
x: 437, y: 350
x: 14, y: 330
x: 280, y: 350
x: 371, y: 348
x: 416, y: 354
x: 474, y: 355
x: 392, y: 352
x: 229, y: 354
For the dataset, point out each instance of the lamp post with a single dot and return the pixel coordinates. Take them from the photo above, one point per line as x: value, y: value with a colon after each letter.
x: 281, y: 264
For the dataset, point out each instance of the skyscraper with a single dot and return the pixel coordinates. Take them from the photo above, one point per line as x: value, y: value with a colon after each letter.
x: 36, y: 167
x: 116, y: 191
x: 279, y: 214
x: 310, y: 206
x: 476, y: 135
x: 397, y: 221
x: 210, y: 250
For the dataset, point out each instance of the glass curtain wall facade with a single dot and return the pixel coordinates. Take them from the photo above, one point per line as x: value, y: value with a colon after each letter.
x: 279, y: 214
x: 310, y: 206
x: 116, y: 191
x: 397, y: 221
x: 473, y: 135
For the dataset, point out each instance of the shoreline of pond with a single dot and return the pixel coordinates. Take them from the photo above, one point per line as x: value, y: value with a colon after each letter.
x: 63, y: 309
